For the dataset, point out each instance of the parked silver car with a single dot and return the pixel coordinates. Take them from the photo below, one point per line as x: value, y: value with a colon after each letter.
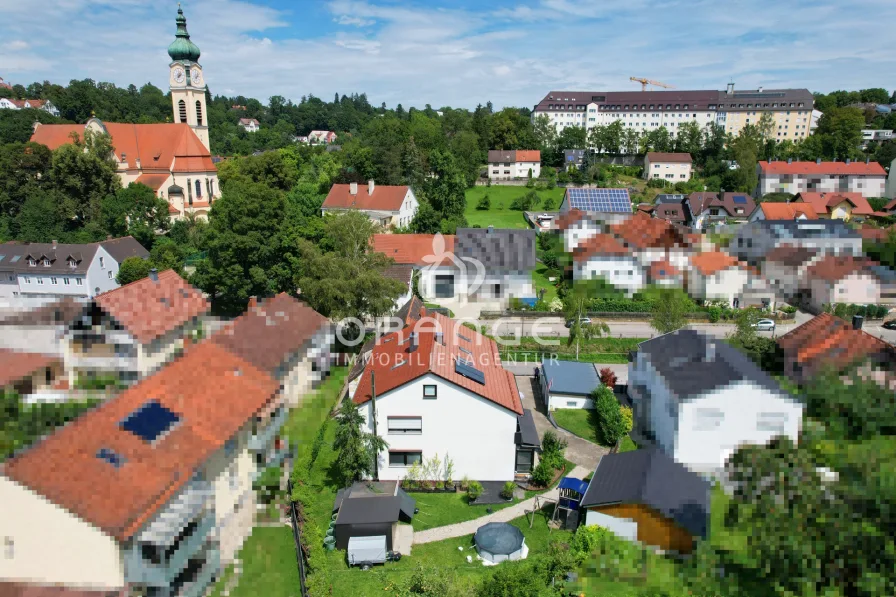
x: 765, y: 325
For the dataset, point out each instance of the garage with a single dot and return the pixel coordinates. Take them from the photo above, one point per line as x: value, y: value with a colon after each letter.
x: 444, y: 286
x: 370, y: 509
x: 567, y: 384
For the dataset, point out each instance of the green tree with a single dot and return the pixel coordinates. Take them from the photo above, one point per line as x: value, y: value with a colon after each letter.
x: 349, y: 234
x: 85, y: 173
x: 132, y: 269
x: 135, y: 210
x: 611, y: 425
x: 446, y: 189
x: 670, y: 310
x: 575, y: 307
x: 427, y: 220
x: 356, y: 449
x: 840, y: 132
x: 43, y: 217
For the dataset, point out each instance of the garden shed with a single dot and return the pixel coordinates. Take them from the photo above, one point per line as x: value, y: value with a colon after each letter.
x: 567, y: 384
x: 369, y: 509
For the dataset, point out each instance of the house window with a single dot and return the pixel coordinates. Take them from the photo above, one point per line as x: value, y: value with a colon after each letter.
x: 80, y: 281
x: 234, y: 477
x: 32, y: 262
x: 54, y: 281
x: 571, y: 403
x: 9, y: 548
x: 72, y: 263
x: 46, y: 263
x: 102, y: 262
x: 405, y: 458
x: 405, y: 425
x: 40, y: 280
x: 65, y: 281
x: 773, y: 422
x: 707, y: 419
x: 109, y: 272
x: 429, y: 391
x: 198, y: 189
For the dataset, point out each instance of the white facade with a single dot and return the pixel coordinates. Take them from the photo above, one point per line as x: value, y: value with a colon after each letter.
x: 867, y: 185
x: 513, y: 170
x: 250, y: 125
x: 725, y: 285
x: 857, y: 288
x: 45, y: 105
x: 400, y: 217
x: 669, y: 171
x: 702, y: 432
x: 559, y: 401
x: 477, y: 434
x: 623, y: 272
x: 449, y: 282
x: 639, y: 120
x: 579, y: 232
x: 34, y: 283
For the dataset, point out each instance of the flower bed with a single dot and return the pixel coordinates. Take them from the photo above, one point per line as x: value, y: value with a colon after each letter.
x: 414, y: 488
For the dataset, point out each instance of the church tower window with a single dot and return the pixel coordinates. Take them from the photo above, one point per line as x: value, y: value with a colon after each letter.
x: 182, y: 107
x: 198, y: 189
x: 198, y: 112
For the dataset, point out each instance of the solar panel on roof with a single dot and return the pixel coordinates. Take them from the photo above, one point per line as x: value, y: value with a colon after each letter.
x: 600, y: 200
x: 740, y: 199
x: 149, y: 421
x: 469, y: 371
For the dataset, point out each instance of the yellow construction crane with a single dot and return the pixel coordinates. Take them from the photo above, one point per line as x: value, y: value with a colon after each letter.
x: 645, y: 82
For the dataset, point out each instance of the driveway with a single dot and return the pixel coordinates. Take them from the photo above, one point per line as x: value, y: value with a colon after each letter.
x: 579, y: 451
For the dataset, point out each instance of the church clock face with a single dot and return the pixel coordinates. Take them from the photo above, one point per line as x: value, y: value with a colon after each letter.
x: 179, y: 75
x: 196, y: 76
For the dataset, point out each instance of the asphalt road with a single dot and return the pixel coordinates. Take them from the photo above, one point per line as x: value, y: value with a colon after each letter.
x: 554, y: 327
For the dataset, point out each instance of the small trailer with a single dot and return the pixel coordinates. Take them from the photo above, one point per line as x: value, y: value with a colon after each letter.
x: 367, y: 551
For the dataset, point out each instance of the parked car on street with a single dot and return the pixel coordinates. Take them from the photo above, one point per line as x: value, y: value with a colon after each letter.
x: 582, y: 321
x: 765, y: 325
x: 890, y: 325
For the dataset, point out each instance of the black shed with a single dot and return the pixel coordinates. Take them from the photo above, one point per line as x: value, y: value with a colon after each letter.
x: 369, y: 509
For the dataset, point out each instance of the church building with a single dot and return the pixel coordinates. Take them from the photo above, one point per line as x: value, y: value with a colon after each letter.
x: 174, y: 158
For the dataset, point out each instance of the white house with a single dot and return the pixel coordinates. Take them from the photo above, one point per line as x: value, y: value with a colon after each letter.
x: 32, y: 273
x: 841, y: 279
x: 567, y: 384
x: 326, y: 137
x: 785, y: 268
x: 34, y: 104
x: 134, y: 330
x: 671, y: 167
x: 151, y: 492
x: 389, y: 206
x: 576, y: 226
x: 603, y: 256
x: 867, y: 178
x: 441, y: 391
x: 250, y: 125
x: 717, y: 276
x: 513, y: 164
x: 702, y: 399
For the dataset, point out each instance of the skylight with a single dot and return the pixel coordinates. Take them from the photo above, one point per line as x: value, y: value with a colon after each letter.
x: 150, y: 421
x: 111, y: 456
x: 462, y: 337
x: 467, y: 370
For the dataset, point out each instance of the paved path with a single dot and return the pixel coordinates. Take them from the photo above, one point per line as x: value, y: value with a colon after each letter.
x: 578, y: 450
x: 469, y: 527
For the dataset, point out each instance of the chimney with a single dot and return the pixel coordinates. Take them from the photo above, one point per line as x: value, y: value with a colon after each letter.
x: 137, y: 162
x: 108, y: 237
x: 54, y: 243
x: 710, y: 351
x: 253, y: 302
x: 490, y: 229
x: 730, y: 89
x: 760, y: 89
x: 789, y: 160
x: 847, y: 161
x: 154, y: 275
x: 818, y: 160
x: 857, y: 322
x: 370, y: 187
x: 353, y: 188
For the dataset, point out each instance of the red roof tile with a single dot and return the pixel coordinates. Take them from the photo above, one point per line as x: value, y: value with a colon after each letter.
x: 411, y: 249
x: 272, y: 331
x: 153, y: 181
x: 158, y: 146
x: 148, y: 309
x: 713, y: 261
x: 566, y: 220
x: 438, y: 357
x: 528, y: 155
x: 787, y: 211
x: 841, y: 168
x: 600, y: 244
x: 790, y: 255
x: 659, y: 156
x: 213, y: 392
x: 833, y: 268
x: 662, y: 269
x: 823, y: 202
x: 877, y: 235
x: 827, y: 340
x: 642, y: 232
x: 384, y: 198
x: 891, y: 206
x: 16, y: 365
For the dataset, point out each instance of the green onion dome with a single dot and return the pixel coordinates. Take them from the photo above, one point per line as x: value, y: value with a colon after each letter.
x: 182, y: 48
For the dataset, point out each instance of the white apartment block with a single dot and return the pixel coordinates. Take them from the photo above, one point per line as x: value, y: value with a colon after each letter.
x: 645, y: 111
x: 867, y: 178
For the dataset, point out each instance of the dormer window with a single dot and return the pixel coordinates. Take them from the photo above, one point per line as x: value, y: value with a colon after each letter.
x: 72, y: 263
x: 46, y: 262
x: 32, y: 262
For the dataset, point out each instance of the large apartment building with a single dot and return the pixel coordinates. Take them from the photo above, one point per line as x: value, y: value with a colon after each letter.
x: 645, y: 111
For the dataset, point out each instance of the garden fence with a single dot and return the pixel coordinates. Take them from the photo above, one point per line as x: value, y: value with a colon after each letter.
x: 301, y: 562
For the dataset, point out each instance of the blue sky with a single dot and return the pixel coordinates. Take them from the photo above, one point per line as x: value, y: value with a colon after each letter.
x: 456, y: 53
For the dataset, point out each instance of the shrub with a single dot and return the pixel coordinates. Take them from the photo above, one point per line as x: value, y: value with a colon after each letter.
x: 526, y: 202
x: 550, y: 203
x: 552, y: 444
x: 542, y: 474
x: 628, y: 420
x: 474, y: 490
x: 507, y: 490
x: 563, y: 177
x: 465, y: 483
x: 485, y: 203
x: 556, y: 305
x: 656, y: 183
x: 610, y: 423
x: 607, y: 377
x: 519, y: 581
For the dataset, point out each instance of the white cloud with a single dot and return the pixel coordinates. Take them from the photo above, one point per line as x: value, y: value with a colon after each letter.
x: 16, y: 45
x: 419, y: 54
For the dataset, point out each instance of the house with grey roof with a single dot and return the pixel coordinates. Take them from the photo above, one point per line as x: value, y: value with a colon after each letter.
x: 567, y: 384
x: 753, y: 241
x: 493, y: 264
x: 574, y: 157
x: 699, y: 399
x: 32, y: 274
x: 646, y: 496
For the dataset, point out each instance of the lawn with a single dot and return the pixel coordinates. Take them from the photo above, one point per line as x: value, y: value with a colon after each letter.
x: 304, y: 421
x: 597, y: 350
x: 540, y: 278
x: 269, y: 566
x: 580, y: 421
x: 628, y: 445
x: 500, y: 215
x: 440, y: 509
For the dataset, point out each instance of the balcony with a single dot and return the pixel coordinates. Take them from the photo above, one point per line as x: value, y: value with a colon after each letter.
x: 204, y: 577
x: 263, y: 438
x: 140, y: 570
x: 100, y: 362
x: 275, y: 457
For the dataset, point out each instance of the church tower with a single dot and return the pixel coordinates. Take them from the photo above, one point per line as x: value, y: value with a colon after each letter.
x: 187, y: 83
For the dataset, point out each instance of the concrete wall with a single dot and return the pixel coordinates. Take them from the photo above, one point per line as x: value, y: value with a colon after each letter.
x: 46, y: 544
x: 477, y: 434
x: 556, y: 401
